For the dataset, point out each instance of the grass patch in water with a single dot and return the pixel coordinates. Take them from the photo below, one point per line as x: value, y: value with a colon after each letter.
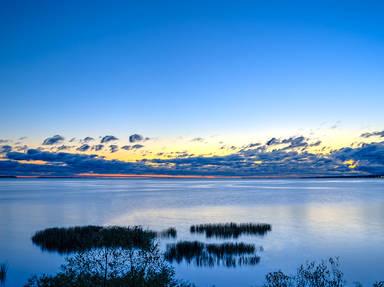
x: 231, y: 230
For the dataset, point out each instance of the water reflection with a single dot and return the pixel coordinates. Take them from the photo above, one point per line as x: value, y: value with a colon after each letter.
x: 209, y: 255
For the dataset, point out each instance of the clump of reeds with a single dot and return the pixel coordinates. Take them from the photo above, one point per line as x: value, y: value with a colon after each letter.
x: 3, y: 272
x: 201, y: 254
x: 72, y: 239
x: 168, y: 233
x: 231, y: 230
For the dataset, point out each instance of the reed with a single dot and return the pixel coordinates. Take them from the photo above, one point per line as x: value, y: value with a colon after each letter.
x: 231, y: 230
x: 73, y: 239
x: 168, y: 233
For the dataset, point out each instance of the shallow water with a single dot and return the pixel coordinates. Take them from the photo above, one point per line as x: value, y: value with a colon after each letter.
x: 311, y: 219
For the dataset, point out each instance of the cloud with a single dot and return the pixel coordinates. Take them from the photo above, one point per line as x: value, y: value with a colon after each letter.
x: 53, y: 140
x: 113, y: 148
x: 88, y: 139
x: 4, y: 141
x: 373, y: 134
x: 295, y: 142
x: 198, y: 139
x: 273, y: 141
x: 132, y: 147
x: 135, y: 138
x: 83, y: 147
x: 97, y: 147
x: 106, y: 139
x: 5, y: 148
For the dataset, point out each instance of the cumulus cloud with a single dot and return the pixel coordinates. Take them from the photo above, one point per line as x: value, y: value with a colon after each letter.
x: 83, y: 147
x: 53, y: 140
x: 108, y: 138
x: 88, y: 139
x: 273, y: 141
x: 372, y: 134
x: 3, y: 141
x: 98, y: 147
x: 132, y: 147
x: 198, y: 139
x: 113, y: 148
x: 5, y: 148
x: 135, y: 138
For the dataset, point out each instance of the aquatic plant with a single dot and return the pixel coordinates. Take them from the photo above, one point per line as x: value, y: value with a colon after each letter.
x: 168, y: 233
x: 231, y: 230
x: 201, y: 254
x: 72, y: 239
x: 3, y: 273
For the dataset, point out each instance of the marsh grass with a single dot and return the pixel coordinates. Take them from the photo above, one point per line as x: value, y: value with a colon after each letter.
x: 201, y: 254
x: 231, y: 230
x: 168, y: 233
x: 75, y: 239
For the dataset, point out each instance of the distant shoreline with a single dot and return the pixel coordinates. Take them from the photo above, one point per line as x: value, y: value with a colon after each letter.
x: 131, y: 176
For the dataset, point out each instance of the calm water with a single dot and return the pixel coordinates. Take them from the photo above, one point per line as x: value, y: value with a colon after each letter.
x: 311, y: 219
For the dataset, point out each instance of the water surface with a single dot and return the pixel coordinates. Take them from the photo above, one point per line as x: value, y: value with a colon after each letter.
x: 311, y: 219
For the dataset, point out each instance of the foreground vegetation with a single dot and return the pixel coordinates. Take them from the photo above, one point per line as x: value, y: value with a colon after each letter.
x: 312, y: 274
x: 112, y: 267
x: 231, y: 230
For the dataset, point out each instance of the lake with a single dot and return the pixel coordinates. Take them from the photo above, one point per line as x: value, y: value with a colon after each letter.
x: 311, y: 219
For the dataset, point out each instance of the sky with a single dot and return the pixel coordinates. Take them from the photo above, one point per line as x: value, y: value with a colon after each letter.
x: 205, y: 85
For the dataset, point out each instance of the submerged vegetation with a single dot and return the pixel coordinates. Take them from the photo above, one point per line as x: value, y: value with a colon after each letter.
x: 201, y: 254
x: 3, y: 273
x: 73, y: 239
x: 231, y: 230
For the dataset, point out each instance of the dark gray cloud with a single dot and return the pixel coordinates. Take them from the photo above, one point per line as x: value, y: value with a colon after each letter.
x: 198, y: 139
x: 63, y: 147
x: 135, y: 138
x: 4, y: 141
x: 83, y: 147
x: 132, y: 147
x: 295, y: 142
x: 88, y: 139
x: 273, y: 141
x: 108, y: 138
x: 5, y: 148
x: 53, y: 140
x: 373, y: 134
x: 113, y: 148
x: 97, y: 147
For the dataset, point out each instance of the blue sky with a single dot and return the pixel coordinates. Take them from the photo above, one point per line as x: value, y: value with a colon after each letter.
x: 170, y: 69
